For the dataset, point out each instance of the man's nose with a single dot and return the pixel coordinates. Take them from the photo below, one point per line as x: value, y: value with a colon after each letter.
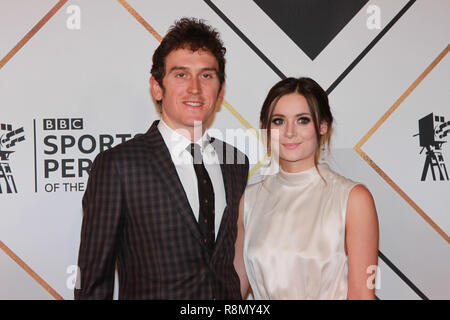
x: 194, y: 86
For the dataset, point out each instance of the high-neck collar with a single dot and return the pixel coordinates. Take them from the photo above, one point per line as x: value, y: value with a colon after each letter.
x: 302, y: 178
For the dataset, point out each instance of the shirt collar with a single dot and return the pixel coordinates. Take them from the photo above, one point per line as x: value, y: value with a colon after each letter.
x: 177, y: 143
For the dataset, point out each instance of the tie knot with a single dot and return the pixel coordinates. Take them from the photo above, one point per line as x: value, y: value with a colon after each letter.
x: 196, y: 153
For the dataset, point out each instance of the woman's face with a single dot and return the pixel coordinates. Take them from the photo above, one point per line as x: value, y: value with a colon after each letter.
x: 293, y: 132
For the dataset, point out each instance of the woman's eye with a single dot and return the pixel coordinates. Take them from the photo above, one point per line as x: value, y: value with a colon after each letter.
x: 304, y: 120
x: 277, y: 121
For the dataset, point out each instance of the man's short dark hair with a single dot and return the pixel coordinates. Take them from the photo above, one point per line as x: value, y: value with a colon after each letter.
x: 193, y: 34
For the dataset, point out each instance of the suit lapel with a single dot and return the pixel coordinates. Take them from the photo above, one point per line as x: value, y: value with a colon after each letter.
x: 161, y: 159
x: 222, y: 152
x: 167, y: 172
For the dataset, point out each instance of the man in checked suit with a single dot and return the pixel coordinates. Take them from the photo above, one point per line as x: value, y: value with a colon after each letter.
x: 163, y: 210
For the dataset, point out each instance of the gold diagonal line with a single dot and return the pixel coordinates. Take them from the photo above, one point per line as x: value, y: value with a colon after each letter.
x: 158, y: 37
x: 238, y: 116
x: 3, y: 61
x: 141, y: 20
x: 255, y: 168
x: 28, y: 270
x: 403, y: 194
x: 227, y: 105
x: 403, y: 97
x: 31, y: 33
x: 380, y: 122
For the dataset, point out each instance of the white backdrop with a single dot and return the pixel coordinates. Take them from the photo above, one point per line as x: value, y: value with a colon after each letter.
x: 74, y: 77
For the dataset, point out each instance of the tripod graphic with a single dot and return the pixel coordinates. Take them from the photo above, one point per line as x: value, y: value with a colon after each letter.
x: 7, y: 141
x: 432, y: 128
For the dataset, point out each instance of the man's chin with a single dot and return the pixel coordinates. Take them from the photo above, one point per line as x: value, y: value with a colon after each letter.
x: 195, y: 122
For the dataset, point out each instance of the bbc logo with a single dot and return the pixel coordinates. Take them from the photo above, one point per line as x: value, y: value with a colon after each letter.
x: 63, y: 124
x: 5, y: 127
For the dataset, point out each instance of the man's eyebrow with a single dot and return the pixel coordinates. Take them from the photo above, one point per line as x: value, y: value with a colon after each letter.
x: 210, y: 69
x: 176, y: 68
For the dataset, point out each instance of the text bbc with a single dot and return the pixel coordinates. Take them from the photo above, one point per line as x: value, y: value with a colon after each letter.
x: 63, y: 124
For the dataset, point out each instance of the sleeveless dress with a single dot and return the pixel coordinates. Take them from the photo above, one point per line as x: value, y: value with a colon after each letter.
x: 294, y: 246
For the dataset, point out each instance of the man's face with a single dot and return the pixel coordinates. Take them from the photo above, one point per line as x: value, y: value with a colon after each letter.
x: 191, y: 89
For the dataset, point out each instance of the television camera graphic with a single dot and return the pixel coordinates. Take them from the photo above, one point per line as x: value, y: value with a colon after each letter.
x: 432, y: 133
x: 8, y: 139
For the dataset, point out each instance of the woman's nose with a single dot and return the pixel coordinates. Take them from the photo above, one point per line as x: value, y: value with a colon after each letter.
x: 290, y: 130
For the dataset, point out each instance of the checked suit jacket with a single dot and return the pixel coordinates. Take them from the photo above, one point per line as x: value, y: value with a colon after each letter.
x: 137, y: 215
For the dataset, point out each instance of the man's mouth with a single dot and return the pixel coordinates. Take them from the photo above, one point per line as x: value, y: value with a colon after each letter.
x: 194, y: 104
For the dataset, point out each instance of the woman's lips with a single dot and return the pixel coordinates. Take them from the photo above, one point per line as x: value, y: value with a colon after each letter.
x: 290, y: 146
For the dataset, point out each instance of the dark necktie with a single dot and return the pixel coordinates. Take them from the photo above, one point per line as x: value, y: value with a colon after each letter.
x: 206, y: 199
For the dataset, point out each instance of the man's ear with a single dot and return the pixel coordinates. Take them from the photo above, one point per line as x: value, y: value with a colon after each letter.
x: 220, y: 95
x: 323, y: 128
x: 156, y: 89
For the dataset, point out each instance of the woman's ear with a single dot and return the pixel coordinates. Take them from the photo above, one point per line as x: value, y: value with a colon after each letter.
x: 323, y: 128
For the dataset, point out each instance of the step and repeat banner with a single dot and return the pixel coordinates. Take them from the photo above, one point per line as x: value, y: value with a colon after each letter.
x: 74, y: 81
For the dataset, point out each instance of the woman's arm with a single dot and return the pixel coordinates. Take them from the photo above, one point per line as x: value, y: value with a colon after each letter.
x: 361, y: 242
x: 239, y: 251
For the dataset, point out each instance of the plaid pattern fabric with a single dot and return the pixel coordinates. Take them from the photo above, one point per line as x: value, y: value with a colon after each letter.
x: 136, y: 214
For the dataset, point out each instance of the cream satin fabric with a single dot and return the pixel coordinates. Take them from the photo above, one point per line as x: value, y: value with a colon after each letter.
x: 294, y: 235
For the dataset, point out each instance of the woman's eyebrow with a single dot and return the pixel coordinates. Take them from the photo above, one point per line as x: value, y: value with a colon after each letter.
x: 297, y: 115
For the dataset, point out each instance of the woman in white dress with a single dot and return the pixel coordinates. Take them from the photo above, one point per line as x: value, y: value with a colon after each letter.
x: 305, y: 232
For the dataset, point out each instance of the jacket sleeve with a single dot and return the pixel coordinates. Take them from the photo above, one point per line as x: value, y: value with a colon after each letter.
x: 100, y: 231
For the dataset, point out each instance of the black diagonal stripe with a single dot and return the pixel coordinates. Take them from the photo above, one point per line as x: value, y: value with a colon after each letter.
x: 244, y: 38
x: 329, y: 90
x: 370, y: 46
x: 280, y: 74
x: 402, y: 276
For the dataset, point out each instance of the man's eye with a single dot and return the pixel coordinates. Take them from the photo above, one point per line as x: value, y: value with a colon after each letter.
x: 180, y: 75
x: 207, y: 76
x: 277, y: 121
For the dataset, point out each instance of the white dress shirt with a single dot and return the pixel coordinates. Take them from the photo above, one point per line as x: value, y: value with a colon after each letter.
x: 182, y: 159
